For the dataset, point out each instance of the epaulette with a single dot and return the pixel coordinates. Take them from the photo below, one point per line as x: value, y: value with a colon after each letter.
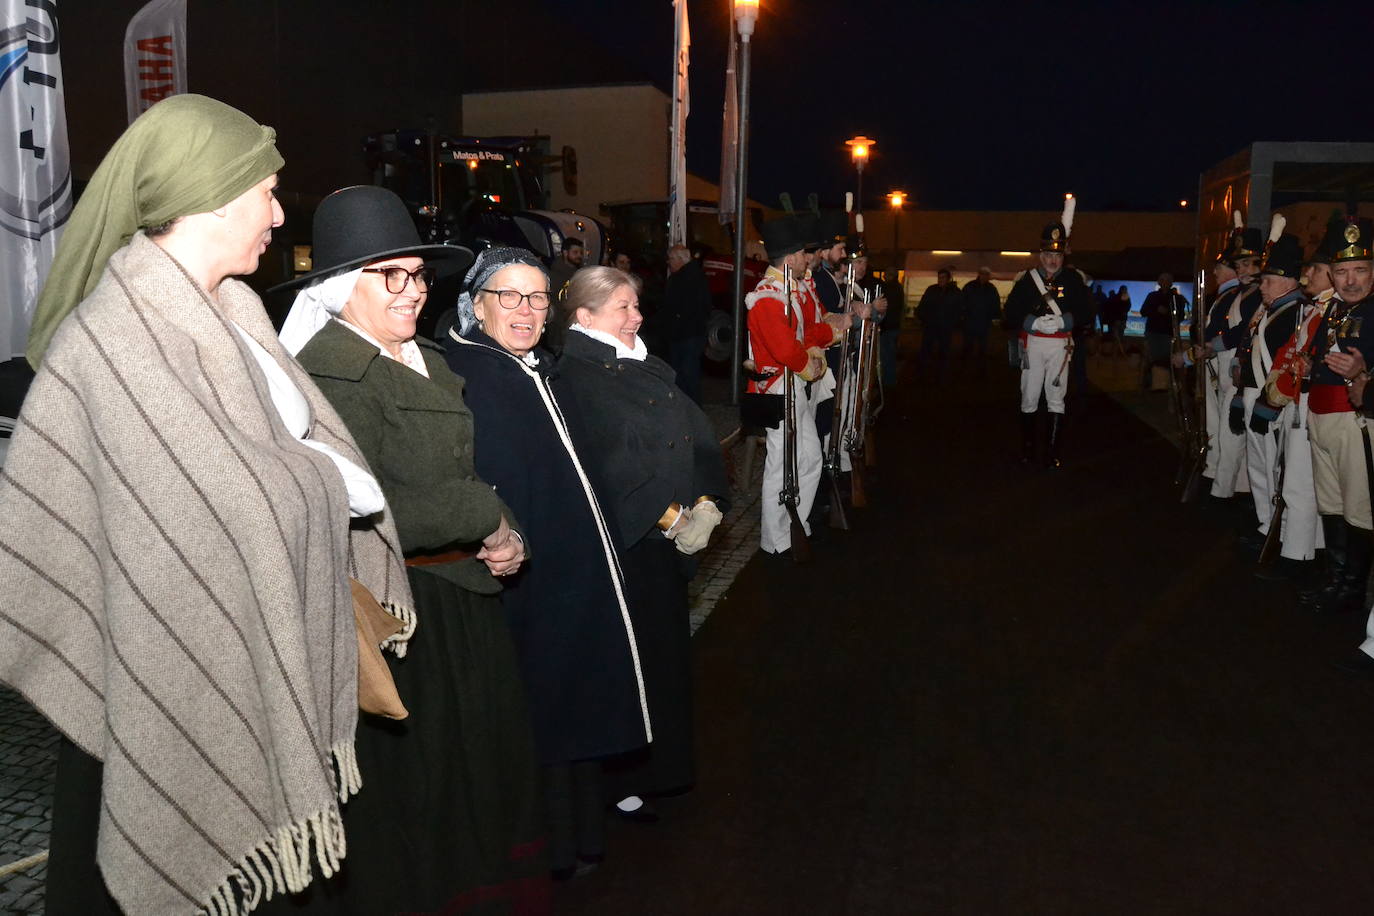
x: 1017, y: 278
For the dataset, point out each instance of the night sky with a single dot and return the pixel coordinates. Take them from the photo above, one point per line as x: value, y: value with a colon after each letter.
x: 1002, y: 105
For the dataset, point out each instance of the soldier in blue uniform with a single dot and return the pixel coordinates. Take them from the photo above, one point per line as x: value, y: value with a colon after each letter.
x: 1228, y: 326
x: 1339, y: 439
x: 1043, y: 307
x: 1274, y: 323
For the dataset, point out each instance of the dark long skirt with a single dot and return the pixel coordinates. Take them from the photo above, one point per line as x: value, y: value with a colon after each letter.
x: 656, y: 578
x: 449, y: 818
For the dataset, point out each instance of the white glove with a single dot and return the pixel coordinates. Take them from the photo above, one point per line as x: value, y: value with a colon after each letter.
x: 693, y: 537
x: 1049, y: 324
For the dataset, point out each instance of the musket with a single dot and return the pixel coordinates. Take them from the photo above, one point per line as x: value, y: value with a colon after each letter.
x: 1196, y: 450
x: 1273, y: 538
x: 870, y: 332
x: 857, y: 441
x: 838, y: 519
x: 790, y: 494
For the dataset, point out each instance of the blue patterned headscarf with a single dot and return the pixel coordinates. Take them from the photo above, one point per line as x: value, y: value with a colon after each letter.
x: 486, y: 266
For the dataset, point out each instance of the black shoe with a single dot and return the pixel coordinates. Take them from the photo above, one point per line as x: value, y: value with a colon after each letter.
x: 1250, y: 540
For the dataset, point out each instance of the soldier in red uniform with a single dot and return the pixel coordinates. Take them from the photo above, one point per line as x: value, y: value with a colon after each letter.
x: 789, y: 335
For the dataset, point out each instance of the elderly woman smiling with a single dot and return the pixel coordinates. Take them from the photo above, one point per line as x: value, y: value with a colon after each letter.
x: 567, y: 609
x: 664, y: 475
x: 455, y: 816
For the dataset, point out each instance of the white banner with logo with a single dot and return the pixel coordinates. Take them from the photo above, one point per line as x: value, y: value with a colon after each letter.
x: 155, y: 54
x: 35, y: 164
x: 677, y: 164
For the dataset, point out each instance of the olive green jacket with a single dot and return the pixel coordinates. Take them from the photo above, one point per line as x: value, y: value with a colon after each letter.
x: 417, y: 436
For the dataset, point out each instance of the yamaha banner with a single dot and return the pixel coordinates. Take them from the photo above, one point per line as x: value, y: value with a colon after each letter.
x: 35, y: 168
x: 155, y: 55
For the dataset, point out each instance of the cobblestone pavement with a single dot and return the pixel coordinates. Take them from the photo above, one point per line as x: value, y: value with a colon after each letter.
x: 28, y: 744
x: 28, y: 758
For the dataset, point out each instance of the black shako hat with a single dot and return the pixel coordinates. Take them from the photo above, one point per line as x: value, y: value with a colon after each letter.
x: 1352, y: 239
x: 782, y: 237
x: 808, y: 230
x: 366, y: 223
x: 855, y: 248
x: 834, y: 228
x: 1284, y: 258
x: 1245, y: 243
x: 1054, y: 237
x: 1335, y: 226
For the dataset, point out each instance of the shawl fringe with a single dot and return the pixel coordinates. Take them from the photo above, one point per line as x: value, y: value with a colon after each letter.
x: 283, y: 863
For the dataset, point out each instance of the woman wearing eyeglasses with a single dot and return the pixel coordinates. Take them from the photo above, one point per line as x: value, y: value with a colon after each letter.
x: 567, y: 608
x: 450, y: 815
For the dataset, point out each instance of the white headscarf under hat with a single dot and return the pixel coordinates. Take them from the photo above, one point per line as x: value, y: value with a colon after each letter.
x: 314, y: 306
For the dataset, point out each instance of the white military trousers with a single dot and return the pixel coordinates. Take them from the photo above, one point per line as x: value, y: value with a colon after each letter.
x: 1302, y: 530
x: 1231, y: 477
x: 775, y: 532
x: 1044, y: 358
x: 1261, y: 451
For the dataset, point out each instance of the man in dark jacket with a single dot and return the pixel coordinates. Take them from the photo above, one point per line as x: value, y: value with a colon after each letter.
x: 979, y: 307
x: 1159, y: 324
x: 938, y: 312
x: 686, y: 306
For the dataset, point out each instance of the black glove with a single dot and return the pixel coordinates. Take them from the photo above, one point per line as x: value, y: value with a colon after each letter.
x: 1261, y: 416
x: 1236, y: 417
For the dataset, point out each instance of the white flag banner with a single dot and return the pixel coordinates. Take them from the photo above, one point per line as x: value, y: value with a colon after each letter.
x: 677, y: 166
x: 729, y: 135
x: 155, y: 54
x: 35, y: 164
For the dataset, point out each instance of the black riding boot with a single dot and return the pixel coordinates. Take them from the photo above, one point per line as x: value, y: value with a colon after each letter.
x: 1027, y: 438
x: 1324, y: 596
x: 1055, y: 437
x: 1358, y: 553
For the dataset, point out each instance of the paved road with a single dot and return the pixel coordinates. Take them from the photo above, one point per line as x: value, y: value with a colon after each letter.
x: 1014, y: 692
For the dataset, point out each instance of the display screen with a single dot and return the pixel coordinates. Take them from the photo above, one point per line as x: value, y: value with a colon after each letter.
x: 1138, y: 290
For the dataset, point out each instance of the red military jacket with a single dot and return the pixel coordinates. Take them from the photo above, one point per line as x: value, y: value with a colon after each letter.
x: 773, y: 337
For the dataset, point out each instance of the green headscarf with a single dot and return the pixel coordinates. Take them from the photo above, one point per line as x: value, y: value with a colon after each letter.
x: 186, y: 154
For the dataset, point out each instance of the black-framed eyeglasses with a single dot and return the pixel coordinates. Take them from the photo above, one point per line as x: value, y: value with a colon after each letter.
x: 398, y: 277
x: 511, y: 298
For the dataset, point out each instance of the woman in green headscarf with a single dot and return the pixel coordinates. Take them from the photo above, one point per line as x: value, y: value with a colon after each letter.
x: 176, y: 539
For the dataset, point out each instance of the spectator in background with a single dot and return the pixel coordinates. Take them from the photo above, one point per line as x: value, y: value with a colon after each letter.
x: 938, y: 312
x: 621, y: 261
x: 1159, y: 310
x: 568, y: 264
x: 979, y: 307
x: 888, y: 292
x: 561, y: 271
x: 686, y: 305
x: 1114, y: 313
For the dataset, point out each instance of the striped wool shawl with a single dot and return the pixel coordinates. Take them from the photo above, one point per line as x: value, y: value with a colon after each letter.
x: 174, y: 594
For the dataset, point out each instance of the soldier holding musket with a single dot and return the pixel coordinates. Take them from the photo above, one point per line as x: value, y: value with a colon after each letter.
x: 1276, y: 448
x: 1043, y: 306
x: 788, y: 332
x: 1228, y: 326
x: 1339, y: 441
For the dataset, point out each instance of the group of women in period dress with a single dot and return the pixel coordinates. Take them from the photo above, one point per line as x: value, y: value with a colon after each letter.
x: 529, y: 518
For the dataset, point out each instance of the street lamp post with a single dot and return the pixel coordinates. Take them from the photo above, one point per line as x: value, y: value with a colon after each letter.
x: 746, y: 14
x: 858, y: 150
x: 896, y: 199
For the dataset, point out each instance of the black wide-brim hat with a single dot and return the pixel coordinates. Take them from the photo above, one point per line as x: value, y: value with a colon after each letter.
x: 358, y: 225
